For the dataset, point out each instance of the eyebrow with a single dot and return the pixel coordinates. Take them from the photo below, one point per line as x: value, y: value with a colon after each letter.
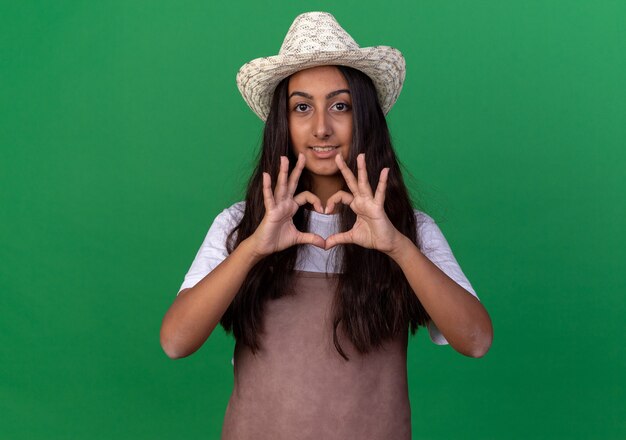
x: 330, y: 95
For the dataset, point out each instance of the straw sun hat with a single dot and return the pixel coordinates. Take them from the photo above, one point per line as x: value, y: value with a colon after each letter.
x: 316, y: 39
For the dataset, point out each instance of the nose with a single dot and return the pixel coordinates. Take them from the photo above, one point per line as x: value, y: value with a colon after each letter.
x: 322, y: 126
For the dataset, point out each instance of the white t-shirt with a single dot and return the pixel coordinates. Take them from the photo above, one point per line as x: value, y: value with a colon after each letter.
x: 313, y: 259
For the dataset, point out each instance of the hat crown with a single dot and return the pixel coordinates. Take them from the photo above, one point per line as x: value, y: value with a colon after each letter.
x: 316, y: 32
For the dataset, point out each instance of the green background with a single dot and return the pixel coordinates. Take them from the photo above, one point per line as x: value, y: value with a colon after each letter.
x: 122, y: 135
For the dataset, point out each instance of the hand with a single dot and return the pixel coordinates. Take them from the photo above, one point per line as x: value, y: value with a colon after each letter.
x: 372, y: 228
x: 277, y: 231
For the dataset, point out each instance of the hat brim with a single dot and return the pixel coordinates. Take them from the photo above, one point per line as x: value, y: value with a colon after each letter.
x: 385, y: 65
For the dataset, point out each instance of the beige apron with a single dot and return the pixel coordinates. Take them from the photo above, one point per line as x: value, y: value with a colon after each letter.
x: 299, y: 387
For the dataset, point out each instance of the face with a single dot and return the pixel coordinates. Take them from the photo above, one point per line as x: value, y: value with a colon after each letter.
x: 320, y: 118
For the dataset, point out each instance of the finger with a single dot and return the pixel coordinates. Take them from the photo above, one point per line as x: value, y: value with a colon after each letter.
x: 379, y: 197
x: 268, y: 198
x: 295, y: 175
x: 308, y: 197
x: 364, y: 184
x: 340, y: 196
x: 347, y: 174
x: 340, y: 238
x: 281, y: 183
x: 310, y: 238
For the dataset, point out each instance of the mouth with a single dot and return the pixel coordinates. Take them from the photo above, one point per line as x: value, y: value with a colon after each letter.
x: 324, y: 149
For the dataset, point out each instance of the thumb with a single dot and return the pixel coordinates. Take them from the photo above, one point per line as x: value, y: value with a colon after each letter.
x: 340, y: 238
x: 310, y: 238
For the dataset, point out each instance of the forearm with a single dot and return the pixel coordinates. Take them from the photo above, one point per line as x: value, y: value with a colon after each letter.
x: 459, y: 316
x: 196, y: 312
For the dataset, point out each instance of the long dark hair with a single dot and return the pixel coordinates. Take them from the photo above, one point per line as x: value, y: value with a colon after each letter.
x: 374, y: 301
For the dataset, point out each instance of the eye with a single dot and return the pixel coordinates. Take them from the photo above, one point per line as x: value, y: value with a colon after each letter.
x: 301, y: 107
x: 341, y: 106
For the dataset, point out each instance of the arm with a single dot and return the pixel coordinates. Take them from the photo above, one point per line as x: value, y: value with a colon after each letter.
x: 195, y: 313
x: 460, y: 317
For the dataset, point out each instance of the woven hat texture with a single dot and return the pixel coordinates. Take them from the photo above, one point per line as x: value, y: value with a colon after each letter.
x: 317, y: 39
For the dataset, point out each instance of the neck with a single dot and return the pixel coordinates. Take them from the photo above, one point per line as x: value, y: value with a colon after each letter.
x: 325, y: 186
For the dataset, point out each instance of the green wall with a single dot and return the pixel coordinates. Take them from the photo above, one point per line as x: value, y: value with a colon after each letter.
x: 122, y: 135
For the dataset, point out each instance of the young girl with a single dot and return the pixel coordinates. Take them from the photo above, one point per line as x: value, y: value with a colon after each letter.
x: 323, y: 270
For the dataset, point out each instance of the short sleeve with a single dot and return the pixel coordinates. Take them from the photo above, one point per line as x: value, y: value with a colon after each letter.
x: 436, y: 248
x: 213, y: 249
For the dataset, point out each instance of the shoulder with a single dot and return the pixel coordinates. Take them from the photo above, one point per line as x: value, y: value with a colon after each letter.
x: 422, y: 217
x: 232, y: 215
x: 236, y: 208
x: 435, y: 246
x: 433, y: 243
x: 214, y: 246
x: 227, y: 220
x: 223, y: 224
x: 425, y: 224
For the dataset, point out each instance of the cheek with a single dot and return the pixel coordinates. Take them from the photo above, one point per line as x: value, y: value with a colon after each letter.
x: 347, y: 133
x: 297, y: 135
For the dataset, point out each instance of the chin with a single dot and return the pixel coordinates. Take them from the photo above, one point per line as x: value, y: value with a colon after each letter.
x: 324, y: 172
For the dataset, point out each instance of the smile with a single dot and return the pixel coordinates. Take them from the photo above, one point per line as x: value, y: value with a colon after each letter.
x: 321, y: 149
